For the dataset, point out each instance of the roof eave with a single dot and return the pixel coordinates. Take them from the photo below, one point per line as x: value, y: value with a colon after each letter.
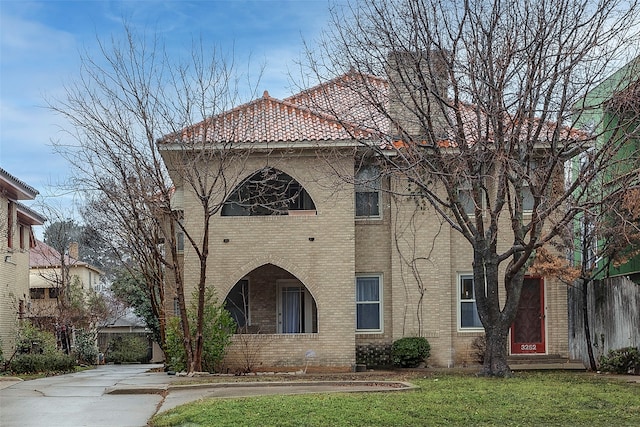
x: 261, y: 145
x: 22, y: 190
x: 29, y: 216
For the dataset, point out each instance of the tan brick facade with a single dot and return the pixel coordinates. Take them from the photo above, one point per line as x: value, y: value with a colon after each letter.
x: 417, y: 255
x: 16, y: 221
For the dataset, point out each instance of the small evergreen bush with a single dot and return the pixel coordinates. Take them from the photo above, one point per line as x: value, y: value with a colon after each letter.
x: 218, y: 327
x: 174, y: 350
x: 621, y: 361
x: 30, y: 363
x: 86, y: 349
x: 36, y: 353
x: 410, y: 352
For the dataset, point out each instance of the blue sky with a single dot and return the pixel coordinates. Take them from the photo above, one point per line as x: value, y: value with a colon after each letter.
x: 40, y: 44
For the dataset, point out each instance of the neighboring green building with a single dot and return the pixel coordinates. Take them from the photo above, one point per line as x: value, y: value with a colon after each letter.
x: 612, y: 110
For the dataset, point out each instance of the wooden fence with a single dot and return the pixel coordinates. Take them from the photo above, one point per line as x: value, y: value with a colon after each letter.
x: 614, y: 317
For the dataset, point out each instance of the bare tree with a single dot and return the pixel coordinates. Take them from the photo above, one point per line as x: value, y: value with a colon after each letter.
x: 126, y: 99
x: 476, y: 120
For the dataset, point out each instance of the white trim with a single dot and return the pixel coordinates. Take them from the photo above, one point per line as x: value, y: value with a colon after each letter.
x: 258, y: 145
x: 368, y: 188
x: 380, y: 303
x: 458, y: 284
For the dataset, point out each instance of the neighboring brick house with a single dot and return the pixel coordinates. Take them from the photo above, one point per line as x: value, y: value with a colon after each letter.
x: 16, y: 222
x: 321, y: 278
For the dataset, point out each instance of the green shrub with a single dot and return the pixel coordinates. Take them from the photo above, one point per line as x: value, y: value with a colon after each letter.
x: 127, y: 349
x: 374, y: 355
x: 621, y: 361
x: 174, y: 350
x: 27, y: 363
x: 36, y: 353
x: 31, y: 340
x: 409, y: 352
x: 217, y: 331
x: 86, y: 349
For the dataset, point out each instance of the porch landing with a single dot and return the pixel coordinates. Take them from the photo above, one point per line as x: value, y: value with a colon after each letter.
x: 544, y: 362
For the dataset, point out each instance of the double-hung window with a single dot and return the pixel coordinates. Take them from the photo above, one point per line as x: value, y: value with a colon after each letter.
x: 369, y: 303
x: 527, y: 195
x: 180, y: 232
x: 367, y: 188
x: 469, y: 318
x: 465, y: 197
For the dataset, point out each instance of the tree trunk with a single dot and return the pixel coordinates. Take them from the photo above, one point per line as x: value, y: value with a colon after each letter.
x: 495, y: 356
x: 587, y: 328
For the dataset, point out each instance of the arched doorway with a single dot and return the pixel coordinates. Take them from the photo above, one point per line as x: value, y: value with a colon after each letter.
x: 271, y: 300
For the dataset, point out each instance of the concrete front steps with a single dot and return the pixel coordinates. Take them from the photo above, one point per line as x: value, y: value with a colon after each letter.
x: 543, y: 362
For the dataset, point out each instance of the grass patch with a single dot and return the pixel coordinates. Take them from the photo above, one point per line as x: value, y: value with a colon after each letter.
x: 529, y: 399
x: 38, y: 375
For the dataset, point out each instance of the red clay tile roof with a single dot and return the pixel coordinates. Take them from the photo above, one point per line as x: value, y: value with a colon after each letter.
x: 269, y: 120
x: 43, y: 255
x: 352, y: 97
x: 311, y: 116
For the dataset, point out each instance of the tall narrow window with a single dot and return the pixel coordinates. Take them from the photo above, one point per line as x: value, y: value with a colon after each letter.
x: 465, y: 197
x: 176, y: 306
x: 23, y: 236
x: 369, y: 303
x: 10, y: 214
x: 367, y: 189
x: 469, y: 318
x: 180, y: 232
x: 527, y: 195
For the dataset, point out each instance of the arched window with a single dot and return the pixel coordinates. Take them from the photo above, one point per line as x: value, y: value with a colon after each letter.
x: 269, y: 191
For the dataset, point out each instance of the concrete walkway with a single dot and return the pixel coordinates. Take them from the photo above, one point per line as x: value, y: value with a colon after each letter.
x: 129, y: 395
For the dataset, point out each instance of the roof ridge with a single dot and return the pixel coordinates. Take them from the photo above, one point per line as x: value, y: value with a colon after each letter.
x: 341, y: 78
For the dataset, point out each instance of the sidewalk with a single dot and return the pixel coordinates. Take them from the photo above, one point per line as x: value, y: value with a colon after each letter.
x: 8, y: 381
x: 179, y: 394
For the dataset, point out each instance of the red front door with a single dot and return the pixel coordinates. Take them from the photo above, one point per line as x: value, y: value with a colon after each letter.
x: 527, y: 331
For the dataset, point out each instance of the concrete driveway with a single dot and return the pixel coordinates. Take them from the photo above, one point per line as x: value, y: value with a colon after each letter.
x: 79, y: 399
x: 129, y: 395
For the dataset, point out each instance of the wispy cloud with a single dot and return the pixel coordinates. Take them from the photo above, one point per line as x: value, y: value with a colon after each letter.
x: 40, y: 45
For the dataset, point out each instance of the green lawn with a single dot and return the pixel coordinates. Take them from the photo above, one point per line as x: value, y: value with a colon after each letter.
x: 529, y: 399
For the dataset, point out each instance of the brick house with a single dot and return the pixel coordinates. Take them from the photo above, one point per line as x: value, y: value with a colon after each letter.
x: 334, y: 271
x: 16, y: 222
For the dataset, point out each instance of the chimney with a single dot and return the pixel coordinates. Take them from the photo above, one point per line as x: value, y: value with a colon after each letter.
x: 418, y: 85
x: 73, y: 250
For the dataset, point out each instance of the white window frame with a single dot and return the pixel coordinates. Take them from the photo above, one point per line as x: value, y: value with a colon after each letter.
x: 468, y: 191
x: 470, y: 299
x: 369, y: 185
x: 379, y: 302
